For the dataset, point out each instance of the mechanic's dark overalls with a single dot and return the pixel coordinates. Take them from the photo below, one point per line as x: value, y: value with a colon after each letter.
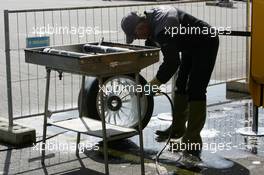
x: 198, y: 55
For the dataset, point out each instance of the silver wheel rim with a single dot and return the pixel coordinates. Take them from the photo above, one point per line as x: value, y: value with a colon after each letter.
x: 120, y: 102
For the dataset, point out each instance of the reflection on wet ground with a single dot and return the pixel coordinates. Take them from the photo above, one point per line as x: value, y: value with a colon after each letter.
x: 222, y: 144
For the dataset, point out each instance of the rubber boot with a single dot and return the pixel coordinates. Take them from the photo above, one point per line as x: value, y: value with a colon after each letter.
x: 196, y: 120
x: 179, y: 118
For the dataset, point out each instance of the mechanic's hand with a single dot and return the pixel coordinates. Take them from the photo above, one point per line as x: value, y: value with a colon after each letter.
x: 155, y: 81
x: 152, y: 87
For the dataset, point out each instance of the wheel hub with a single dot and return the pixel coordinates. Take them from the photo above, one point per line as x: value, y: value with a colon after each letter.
x: 114, y: 103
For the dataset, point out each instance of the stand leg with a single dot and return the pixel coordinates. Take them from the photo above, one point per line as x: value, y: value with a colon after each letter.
x: 254, y: 130
x: 80, y: 115
x: 104, y: 127
x: 81, y: 96
x: 255, y: 119
x: 140, y: 129
x: 77, y: 144
x: 45, y: 116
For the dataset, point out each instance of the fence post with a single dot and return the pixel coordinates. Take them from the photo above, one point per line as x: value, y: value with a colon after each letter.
x: 247, y: 40
x: 173, y: 83
x: 8, y: 68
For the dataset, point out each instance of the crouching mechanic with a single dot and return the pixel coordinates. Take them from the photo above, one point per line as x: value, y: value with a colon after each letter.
x: 189, y: 47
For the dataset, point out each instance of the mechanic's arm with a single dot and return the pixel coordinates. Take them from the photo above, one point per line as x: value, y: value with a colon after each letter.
x: 170, y: 63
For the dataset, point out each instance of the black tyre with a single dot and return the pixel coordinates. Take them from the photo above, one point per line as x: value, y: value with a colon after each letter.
x: 120, y: 106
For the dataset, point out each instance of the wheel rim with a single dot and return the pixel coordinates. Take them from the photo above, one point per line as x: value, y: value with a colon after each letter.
x: 120, y: 102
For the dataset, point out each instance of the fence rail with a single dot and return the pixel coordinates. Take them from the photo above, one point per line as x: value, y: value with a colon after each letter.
x: 25, y: 82
x: 107, y: 6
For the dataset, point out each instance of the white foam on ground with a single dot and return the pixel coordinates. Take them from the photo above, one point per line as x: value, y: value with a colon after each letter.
x: 209, y: 133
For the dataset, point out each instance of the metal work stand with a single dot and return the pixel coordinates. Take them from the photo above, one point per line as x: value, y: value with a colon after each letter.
x: 140, y: 128
x: 43, y: 147
x: 80, y: 125
x: 254, y: 130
